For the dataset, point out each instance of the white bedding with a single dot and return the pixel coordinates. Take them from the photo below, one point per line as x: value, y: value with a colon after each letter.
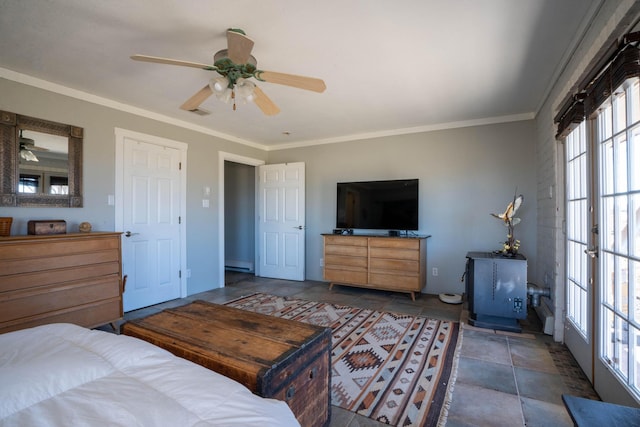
x: 66, y: 375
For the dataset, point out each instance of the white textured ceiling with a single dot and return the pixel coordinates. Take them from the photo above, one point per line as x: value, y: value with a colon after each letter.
x: 389, y: 67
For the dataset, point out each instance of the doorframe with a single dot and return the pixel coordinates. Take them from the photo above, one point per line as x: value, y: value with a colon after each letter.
x: 236, y: 158
x: 182, y: 147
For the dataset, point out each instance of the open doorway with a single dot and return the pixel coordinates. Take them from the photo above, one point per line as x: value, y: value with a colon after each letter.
x: 239, y: 217
x: 239, y: 229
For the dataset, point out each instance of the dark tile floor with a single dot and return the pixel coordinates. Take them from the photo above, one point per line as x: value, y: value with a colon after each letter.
x: 503, y: 379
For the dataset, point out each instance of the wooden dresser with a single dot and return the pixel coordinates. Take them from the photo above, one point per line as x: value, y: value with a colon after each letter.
x: 377, y: 262
x: 72, y: 278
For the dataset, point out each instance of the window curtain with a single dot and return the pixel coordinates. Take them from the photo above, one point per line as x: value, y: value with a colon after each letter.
x: 622, y: 61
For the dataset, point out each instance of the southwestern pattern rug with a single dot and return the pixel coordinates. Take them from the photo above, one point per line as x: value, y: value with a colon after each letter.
x: 394, y: 368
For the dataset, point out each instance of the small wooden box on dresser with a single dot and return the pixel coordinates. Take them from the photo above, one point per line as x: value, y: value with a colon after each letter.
x: 73, y: 278
x: 377, y: 262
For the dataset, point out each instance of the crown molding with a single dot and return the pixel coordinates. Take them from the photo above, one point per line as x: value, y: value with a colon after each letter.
x: 106, y: 102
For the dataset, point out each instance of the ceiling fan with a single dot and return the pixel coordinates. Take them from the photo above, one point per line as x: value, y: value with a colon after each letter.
x: 27, y: 147
x: 236, y: 66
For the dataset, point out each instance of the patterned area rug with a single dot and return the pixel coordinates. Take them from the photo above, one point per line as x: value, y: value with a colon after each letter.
x: 393, y: 368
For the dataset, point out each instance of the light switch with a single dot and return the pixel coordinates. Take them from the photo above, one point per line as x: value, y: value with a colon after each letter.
x: 205, y: 203
x: 111, y: 200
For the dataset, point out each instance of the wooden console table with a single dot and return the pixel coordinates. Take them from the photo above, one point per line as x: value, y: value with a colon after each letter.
x: 376, y: 262
x: 72, y: 278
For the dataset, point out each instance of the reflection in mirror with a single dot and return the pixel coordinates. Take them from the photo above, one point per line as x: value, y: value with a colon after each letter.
x: 43, y: 163
x: 40, y: 162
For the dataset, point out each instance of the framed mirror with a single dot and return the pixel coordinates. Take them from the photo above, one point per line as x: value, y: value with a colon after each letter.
x: 40, y: 162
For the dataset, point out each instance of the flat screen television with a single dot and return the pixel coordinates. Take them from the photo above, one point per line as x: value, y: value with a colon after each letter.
x: 378, y: 205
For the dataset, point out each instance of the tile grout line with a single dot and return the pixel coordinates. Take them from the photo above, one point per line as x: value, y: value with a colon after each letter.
x: 515, y: 381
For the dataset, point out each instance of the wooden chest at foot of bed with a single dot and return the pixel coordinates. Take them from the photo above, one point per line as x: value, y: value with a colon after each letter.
x: 273, y: 357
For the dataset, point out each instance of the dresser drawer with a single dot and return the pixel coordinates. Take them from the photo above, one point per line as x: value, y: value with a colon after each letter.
x: 395, y: 281
x: 355, y: 251
x: 389, y: 242
x: 47, y: 277
x: 394, y: 264
x: 340, y: 275
x: 63, y: 245
x: 341, y: 260
x: 394, y: 253
x: 346, y: 240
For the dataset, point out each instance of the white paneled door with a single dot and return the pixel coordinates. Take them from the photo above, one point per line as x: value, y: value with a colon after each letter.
x: 281, y: 221
x: 151, y: 223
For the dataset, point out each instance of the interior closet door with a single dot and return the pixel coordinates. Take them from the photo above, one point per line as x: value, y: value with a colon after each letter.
x: 150, y: 199
x: 281, y: 221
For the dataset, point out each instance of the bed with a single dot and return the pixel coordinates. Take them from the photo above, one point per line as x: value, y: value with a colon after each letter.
x: 66, y: 375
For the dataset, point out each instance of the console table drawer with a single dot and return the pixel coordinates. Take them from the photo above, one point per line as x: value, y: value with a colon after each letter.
x: 346, y: 240
x: 394, y: 253
x: 394, y: 264
x: 343, y: 275
x: 399, y: 243
x: 398, y: 282
x: 356, y: 251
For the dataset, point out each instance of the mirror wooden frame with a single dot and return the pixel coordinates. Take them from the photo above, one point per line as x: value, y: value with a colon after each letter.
x: 10, y: 125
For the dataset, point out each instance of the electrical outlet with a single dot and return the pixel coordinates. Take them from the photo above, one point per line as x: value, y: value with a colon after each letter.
x: 188, y: 273
x: 434, y: 271
x: 321, y: 262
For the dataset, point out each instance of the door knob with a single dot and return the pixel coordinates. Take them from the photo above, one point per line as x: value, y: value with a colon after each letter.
x: 129, y: 234
x: 300, y: 227
x: 593, y: 252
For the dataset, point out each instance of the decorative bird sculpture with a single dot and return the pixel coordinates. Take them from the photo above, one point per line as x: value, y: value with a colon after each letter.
x: 508, y: 215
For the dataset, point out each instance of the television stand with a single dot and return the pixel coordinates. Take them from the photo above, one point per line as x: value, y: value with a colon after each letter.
x: 388, y: 263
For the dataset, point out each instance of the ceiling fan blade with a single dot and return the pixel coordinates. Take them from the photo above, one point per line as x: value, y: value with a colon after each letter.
x: 36, y: 148
x: 239, y: 47
x: 197, y: 99
x: 159, y: 60
x: 301, y: 82
x: 264, y: 102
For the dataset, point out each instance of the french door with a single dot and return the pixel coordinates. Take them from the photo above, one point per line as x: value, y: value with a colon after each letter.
x: 602, y: 283
x: 580, y: 245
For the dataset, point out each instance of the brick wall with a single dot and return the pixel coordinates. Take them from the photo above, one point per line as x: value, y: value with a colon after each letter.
x: 613, y: 18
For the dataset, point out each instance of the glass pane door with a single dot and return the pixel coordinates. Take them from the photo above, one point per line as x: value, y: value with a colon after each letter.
x: 618, y: 140
x: 579, y: 240
x: 578, y: 290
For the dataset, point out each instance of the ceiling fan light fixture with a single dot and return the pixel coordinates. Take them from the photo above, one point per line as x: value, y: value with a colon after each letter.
x: 28, y: 155
x: 244, y: 89
x: 219, y: 85
x: 225, y: 96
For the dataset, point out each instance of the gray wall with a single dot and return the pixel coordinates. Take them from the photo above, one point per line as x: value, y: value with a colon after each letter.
x: 465, y: 174
x: 99, y: 123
